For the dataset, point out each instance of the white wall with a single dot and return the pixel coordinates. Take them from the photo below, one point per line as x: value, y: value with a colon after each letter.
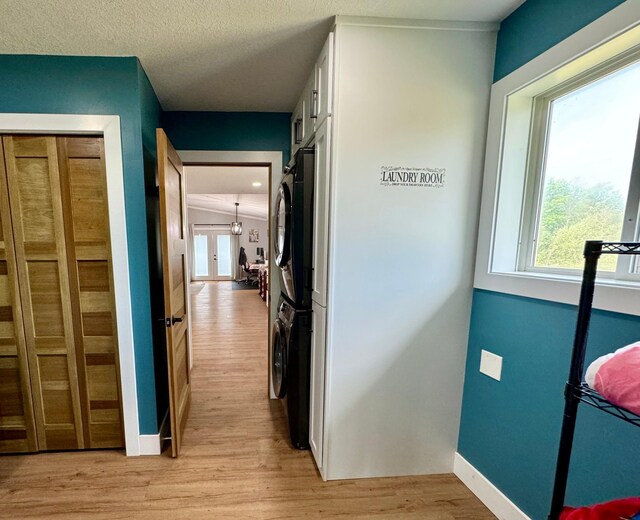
x: 197, y: 216
x: 401, y: 258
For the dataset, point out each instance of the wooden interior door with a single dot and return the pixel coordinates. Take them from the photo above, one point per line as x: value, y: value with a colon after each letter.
x: 17, y: 423
x: 174, y: 266
x: 83, y: 185
x: 37, y: 221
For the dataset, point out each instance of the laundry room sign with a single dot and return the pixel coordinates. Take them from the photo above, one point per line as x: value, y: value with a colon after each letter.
x: 412, y: 177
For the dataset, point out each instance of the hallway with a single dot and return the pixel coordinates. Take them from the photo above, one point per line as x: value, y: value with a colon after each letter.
x: 235, y: 461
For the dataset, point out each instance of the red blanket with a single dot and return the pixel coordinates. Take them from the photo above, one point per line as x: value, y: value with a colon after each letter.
x: 627, y: 508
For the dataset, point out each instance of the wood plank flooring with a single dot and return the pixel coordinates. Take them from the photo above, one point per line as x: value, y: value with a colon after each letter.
x: 235, y: 462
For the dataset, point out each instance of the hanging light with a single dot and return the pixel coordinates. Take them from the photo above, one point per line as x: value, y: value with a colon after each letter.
x: 236, y: 227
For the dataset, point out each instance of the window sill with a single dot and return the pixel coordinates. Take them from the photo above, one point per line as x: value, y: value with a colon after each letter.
x: 622, y: 296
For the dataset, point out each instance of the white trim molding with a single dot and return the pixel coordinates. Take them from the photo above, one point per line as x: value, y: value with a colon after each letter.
x: 109, y: 127
x: 495, y: 500
x: 276, y: 160
x: 152, y: 444
x: 411, y: 23
x: 610, y: 35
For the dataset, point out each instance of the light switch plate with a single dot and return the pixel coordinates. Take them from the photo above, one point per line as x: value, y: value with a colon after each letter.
x: 491, y: 364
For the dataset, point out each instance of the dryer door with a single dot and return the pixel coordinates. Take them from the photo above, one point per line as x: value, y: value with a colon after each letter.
x: 283, y: 225
x: 279, y: 360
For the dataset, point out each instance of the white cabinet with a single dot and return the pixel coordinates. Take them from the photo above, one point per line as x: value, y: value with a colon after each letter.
x: 322, y: 175
x: 297, y: 127
x: 360, y: 126
x: 314, y: 105
x: 309, y: 102
x: 324, y: 81
x: 316, y: 404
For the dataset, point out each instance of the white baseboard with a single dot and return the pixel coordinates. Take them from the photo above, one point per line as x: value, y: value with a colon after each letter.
x: 489, y: 495
x: 149, y: 444
x: 152, y: 444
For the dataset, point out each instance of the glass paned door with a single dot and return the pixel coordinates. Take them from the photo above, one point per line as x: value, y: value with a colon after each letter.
x: 223, y: 260
x: 212, y: 255
x: 201, y: 255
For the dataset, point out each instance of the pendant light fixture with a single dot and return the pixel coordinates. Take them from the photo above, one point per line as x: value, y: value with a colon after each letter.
x: 236, y: 227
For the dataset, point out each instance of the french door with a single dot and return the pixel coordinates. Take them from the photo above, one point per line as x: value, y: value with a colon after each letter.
x: 212, y: 256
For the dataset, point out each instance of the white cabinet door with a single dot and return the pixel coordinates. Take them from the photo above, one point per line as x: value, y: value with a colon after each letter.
x: 322, y: 176
x: 310, y: 103
x: 324, y: 80
x: 297, y: 127
x: 316, y: 404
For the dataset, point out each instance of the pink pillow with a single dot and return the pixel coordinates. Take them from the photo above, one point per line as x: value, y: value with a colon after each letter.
x: 618, y: 378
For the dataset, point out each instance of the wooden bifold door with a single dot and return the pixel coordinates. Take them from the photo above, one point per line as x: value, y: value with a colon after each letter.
x: 59, y: 374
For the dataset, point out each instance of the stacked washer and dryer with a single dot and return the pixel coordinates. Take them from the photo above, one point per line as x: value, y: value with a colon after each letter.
x: 291, y: 355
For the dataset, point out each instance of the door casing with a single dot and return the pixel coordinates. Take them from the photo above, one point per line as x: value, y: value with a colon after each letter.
x: 274, y: 161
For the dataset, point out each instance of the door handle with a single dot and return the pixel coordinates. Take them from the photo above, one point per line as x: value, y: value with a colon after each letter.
x: 176, y: 319
x: 297, y: 131
x: 314, y: 104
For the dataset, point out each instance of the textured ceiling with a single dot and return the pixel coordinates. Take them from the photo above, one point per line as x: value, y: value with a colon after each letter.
x: 229, y: 55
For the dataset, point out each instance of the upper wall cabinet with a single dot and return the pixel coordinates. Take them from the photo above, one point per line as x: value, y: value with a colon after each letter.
x: 324, y: 80
x: 314, y: 105
x: 310, y: 100
x: 297, y: 127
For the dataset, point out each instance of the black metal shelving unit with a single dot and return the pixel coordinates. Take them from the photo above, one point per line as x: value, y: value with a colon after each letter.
x: 576, y: 391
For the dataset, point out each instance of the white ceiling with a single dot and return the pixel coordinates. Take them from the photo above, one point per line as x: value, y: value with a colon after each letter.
x: 228, y: 55
x: 251, y: 205
x: 226, y: 179
x: 218, y: 188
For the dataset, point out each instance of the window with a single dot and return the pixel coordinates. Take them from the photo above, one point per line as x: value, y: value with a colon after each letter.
x: 562, y: 165
x: 580, y: 179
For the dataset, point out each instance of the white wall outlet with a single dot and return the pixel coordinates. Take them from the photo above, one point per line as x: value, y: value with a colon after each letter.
x: 491, y: 364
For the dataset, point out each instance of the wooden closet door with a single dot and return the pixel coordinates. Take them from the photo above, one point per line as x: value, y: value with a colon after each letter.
x: 41, y: 257
x: 85, y: 209
x: 17, y: 426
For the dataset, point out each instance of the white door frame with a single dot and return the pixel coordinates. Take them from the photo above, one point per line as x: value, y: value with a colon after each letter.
x: 276, y: 161
x: 109, y: 127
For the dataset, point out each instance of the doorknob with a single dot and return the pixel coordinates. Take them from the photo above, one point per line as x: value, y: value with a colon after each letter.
x: 173, y: 320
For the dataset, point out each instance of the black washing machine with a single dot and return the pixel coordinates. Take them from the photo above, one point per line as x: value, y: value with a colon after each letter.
x: 294, y: 228
x: 291, y: 368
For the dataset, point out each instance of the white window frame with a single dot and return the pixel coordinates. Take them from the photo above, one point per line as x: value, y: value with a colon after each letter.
x: 499, y: 257
x: 535, y: 176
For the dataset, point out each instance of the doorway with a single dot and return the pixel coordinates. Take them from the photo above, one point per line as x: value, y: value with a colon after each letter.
x: 224, y: 323
x: 221, y: 198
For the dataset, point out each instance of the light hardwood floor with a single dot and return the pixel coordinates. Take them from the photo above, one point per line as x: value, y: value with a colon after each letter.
x: 235, y: 462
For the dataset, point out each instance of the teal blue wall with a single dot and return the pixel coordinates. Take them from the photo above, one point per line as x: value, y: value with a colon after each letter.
x: 510, y: 429
x: 91, y: 85
x: 120, y: 86
x: 150, y: 110
x: 151, y: 120
x: 233, y: 131
x: 538, y: 25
